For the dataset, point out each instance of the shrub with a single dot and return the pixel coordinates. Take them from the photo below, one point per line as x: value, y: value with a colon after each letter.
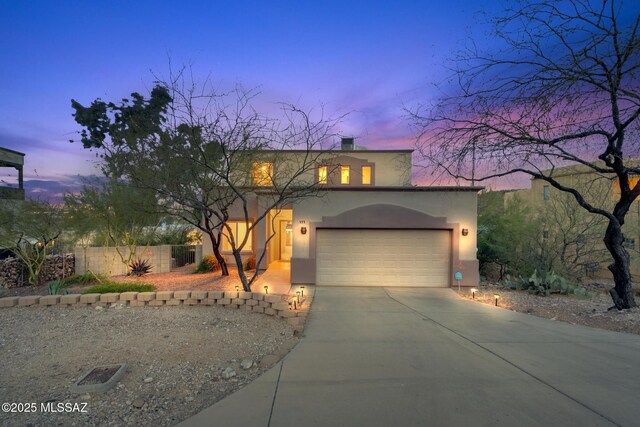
x: 139, y: 267
x: 57, y: 288
x: 250, y: 263
x: 83, y: 279
x: 114, y: 287
x: 208, y: 264
x: 545, y: 283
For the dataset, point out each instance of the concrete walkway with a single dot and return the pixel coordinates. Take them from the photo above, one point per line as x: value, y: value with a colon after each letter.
x: 277, y: 277
x: 424, y: 357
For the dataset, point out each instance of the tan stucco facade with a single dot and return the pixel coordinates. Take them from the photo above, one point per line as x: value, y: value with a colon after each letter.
x: 388, y: 201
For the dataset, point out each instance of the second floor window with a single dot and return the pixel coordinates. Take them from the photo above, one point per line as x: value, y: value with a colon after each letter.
x: 262, y: 173
x: 366, y: 175
x: 322, y: 174
x: 344, y: 174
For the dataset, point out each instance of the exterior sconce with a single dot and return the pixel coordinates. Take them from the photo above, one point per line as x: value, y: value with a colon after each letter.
x: 303, y: 230
x: 497, y: 297
x: 465, y: 231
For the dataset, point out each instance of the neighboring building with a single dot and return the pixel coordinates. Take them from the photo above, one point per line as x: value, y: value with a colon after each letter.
x: 371, y: 227
x: 15, y: 160
x: 560, y: 213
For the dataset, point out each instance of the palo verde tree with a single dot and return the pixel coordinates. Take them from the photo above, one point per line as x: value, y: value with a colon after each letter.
x: 200, y: 151
x: 120, y: 216
x: 564, y: 89
x: 29, y: 229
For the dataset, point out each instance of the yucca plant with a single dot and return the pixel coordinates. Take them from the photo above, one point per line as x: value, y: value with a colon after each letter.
x: 57, y: 288
x: 139, y: 267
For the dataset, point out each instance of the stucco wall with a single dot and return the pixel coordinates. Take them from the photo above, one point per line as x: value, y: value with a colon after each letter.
x: 456, y: 207
x: 103, y: 260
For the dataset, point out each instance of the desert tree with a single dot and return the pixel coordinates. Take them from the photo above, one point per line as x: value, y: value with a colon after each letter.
x: 30, y: 230
x: 562, y: 89
x: 114, y: 214
x: 208, y: 155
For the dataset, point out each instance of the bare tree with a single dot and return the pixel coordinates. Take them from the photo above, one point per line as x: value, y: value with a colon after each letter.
x: 209, y: 155
x: 564, y: 90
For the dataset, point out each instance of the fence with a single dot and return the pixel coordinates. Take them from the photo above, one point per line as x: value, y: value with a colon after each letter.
x: 182, y: 255
x: 107, y: 260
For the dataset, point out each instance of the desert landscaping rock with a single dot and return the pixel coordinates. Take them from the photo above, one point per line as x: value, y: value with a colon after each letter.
x: 592, y: 312
x: 228, y: 373
x: 44, y: 350
x: 246, y: 363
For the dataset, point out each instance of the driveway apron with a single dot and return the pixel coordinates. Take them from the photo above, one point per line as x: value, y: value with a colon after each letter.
x: 424, y: 357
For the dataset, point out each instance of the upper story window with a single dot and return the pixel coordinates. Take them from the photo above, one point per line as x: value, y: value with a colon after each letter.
x: 546, y: 192
x: 322, y: 175
x: 633, y: 180
x: 262, y: 173
x: 366, y: 175
x: 344, y: 175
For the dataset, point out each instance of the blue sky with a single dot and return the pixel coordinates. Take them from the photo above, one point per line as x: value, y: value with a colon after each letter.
x: 364, y: 58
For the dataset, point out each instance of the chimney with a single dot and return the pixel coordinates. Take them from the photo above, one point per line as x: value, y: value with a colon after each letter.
x: 347, y: 144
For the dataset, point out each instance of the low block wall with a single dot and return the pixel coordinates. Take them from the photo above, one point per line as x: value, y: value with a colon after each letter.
x: 273, y: 305
x: 105, y: 260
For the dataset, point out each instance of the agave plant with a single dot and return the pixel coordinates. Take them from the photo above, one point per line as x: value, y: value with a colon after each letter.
x: 57, y: 288
x: 139, y: 267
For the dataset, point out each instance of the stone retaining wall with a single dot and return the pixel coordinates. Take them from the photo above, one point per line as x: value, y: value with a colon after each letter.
x: 272, y: 305
x: 55, y: 267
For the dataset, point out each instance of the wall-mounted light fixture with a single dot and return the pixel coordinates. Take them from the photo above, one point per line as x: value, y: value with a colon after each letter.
x: 465, y: 231
x: 303, y: 230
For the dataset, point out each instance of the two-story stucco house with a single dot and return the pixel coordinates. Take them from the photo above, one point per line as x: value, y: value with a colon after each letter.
x: 370, y: 226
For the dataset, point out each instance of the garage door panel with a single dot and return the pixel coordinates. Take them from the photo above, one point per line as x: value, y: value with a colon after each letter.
x: 351, y: 257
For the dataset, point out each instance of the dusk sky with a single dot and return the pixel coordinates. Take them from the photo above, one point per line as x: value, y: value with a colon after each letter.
x: 368, y: 59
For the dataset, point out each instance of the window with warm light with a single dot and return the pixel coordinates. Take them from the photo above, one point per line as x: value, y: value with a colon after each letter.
x: 322, y: 174
x: 366, y: 175
x: 262, y: 173
x: 344, y: 174
x: 633, y: 180
x: 239, y: 230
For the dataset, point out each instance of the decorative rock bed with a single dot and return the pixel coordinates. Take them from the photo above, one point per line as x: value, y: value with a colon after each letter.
x: 272, y: 305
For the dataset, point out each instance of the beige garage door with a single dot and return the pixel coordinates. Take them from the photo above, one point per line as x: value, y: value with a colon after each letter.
x: 350, y: 257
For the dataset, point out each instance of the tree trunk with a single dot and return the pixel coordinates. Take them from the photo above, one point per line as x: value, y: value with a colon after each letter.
x: 224, y: 270
x: 243, y: 277
x: 622, y: 292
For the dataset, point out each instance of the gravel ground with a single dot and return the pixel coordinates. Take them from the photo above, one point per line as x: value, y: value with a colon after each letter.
x: 180, y: 279
x: 176, y: 358
x: 592, y: 312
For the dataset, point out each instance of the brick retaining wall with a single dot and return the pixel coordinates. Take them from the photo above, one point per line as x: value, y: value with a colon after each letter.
x: 272, y: 305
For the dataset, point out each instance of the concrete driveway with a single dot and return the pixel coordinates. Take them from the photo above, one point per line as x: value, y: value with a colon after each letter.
x: 424, y: 357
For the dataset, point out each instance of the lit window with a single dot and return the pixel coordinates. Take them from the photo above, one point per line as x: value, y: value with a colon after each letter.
x: 322, y: 174
x: 239, y: 230
x: 344, y: 174
x: 262, y: 173
x: 633, y: 180
x: 545, y: 192
x: 366, y: 175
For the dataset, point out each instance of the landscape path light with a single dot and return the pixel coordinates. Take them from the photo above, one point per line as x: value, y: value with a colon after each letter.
x: 473, y: 293
x: 302, y: 290
x: 266, y: 289
x: 497, y: 297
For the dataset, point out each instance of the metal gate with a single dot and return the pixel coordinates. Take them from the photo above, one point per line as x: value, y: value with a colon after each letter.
x: 182, y: 255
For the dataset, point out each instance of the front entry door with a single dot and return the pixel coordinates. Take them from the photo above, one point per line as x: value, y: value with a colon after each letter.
x: 285, y: 240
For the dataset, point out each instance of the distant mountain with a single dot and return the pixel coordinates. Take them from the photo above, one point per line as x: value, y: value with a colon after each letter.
x: 54, y: 191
